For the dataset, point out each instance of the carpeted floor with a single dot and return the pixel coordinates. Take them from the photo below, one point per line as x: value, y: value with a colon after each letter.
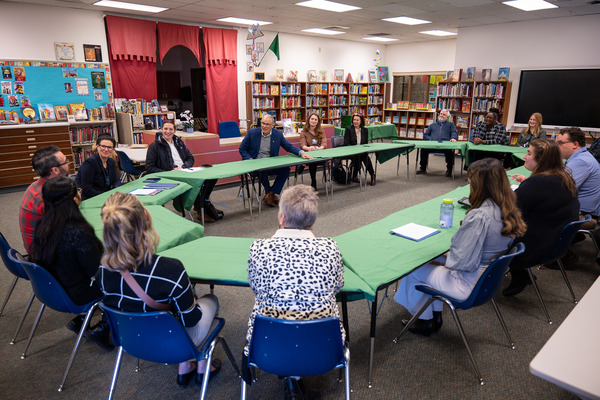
x: 416, y: 368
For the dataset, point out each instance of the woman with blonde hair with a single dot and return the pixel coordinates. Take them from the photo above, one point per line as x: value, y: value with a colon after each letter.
x: 312, y: 138
x: 491, y: 224
x: 533, y: 131
x: 129, y: 264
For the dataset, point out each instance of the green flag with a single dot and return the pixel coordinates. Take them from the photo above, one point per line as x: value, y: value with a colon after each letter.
x: 274, y: 47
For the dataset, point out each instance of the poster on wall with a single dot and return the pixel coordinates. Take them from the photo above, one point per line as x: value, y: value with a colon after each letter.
x: 19, y: 87
x: 20, y: 74
x: 6, y: 87
x: 6, y: 74
x: 64, y: 51
x: 92, y: 52
x: 98, y: 81
x: 83, y: 87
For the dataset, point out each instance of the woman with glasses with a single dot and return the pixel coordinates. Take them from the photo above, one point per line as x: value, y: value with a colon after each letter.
x: 98, y: 174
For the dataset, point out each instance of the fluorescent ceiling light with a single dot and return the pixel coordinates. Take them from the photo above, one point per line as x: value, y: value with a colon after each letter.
x: 530, y: 5
x: 327, y: 5
x: 243, y: 21
x: 322, y: 31
x: 406, y: 20
x: 379, y: 39
x: 129, y: 6
x: 438, y: 32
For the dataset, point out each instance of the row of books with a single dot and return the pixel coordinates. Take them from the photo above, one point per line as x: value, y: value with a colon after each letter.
x: 489, y: 90
x: 411, y: 133
x: 374, y: 119
x: 256, y: 115
x: 338, y: 100
x: 102, y: 113
x: 359, y: 89
x: 263, y: 102
x: 358, y: 100
x: 316, y: 88
x: 337, y: 112
x: 137, y: 138
x: 291, y: 88
x: 265, y: 88
x: 319, y: 111
x: 337, y: 88
x: 372, y: 99
x: 155, y: 121
x: 291, y: 102
x: 138, y: 106
x: 483, y: 105
x: 89, y: 134
x: 453, y: 105
x: 455, y: 89
x: 373, y: 111
x: 316, y: 101
x: 80, y: 155
x: 355, y: 110
x: 396, y: 119
x: 294, y: 115
x: 9, y: 117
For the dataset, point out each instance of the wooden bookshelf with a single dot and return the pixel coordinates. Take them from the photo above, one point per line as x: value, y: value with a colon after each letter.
x: 83, y: 135
x: 130, y: 126
x: 490, y: 94
x: 411, y: 124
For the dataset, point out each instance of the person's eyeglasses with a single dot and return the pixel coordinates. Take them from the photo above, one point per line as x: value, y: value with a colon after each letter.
x: 560, y: 142
x: 61, y: 164
x: 105, y: 147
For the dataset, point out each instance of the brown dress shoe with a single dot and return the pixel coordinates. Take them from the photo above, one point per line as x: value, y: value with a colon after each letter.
x: 268, y: 199
x: 373, y: 180
x: 448, y: 173
x: 275, y: 198
x: 421, y: 172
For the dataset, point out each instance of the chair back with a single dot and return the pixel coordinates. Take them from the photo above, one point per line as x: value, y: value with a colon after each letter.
x: 490, y: 281
x: 337, y: 141
x: 46, y: 288
x: 296, y: 348
x: 229, y: 129
x: 125, y: 164
x: 564, y: 239
x: 13, y: 266
x: 154, y: 336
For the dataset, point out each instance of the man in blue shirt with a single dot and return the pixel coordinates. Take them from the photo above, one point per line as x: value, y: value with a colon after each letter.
x: 265, y: 142
x: 584, y: 169
x: 442, y: 130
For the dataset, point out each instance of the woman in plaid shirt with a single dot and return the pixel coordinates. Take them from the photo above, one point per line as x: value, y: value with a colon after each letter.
x: 130, y: 242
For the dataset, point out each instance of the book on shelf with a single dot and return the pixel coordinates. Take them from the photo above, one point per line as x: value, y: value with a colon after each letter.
x: 428, y: 121
x: 470, y: 74
x: 388, y: 120
x: 46, y: 112
x: 412, y: 120
x: 421, y: 121
x: 404, y: 119
x: 419, y: 133
x: 275, y: 90
x: 457, y: 75
x: 462, y: 122
x: 411, y: 133
x: 503, y: 73
x: 396, y: 119
x: 466, y: 106
x: 402, y: 132
x: 79, y: 111
x: 486, y: 74
x: 402, y: 105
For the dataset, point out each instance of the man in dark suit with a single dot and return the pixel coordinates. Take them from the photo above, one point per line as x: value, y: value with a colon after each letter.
x: 265, y: 142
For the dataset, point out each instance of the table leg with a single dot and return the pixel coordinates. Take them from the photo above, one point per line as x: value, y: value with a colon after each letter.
x: 408, y: 165
x: 372, y: 337
x: 345, y: 316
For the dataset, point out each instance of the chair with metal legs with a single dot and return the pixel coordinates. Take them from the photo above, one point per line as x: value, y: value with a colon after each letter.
x: 15, y: 269
x: 487, y: 286
x: 51, y: 294
x: 298, y: 348
x: 559, y: 249
x: 159, y: 337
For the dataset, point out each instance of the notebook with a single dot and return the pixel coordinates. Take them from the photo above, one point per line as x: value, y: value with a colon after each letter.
x: 414, y: 231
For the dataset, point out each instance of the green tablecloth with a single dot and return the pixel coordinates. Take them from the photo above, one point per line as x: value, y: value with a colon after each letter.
x: 516, y: 152
x: 435, y: 145
x: 158, y: 199
x: 172, y: 229
x: 224, y: 260
x: 379, y: 258
x: 385, y: 151
x: 379, y: 131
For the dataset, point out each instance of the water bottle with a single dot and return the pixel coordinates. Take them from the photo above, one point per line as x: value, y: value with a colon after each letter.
x: 446, y: 213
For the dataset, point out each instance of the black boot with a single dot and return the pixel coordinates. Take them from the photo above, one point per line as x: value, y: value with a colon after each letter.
x: 520, y: 280
x: 437, y: 320
x: 102, y: 336
x: 424, y: 327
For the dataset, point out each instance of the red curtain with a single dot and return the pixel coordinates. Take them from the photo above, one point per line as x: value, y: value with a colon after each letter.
x: 132, y: 45
x: 171, y: 35
x: 221, y: 76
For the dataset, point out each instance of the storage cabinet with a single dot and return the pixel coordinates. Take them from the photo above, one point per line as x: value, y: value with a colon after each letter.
x: 18, y: 143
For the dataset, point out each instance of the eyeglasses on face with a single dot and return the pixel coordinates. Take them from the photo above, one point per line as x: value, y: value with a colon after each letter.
x: 101, y: 146
x: 61, y: 164
x: 561, y: 142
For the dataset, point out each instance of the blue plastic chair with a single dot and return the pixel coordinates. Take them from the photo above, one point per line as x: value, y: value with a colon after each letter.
x: 559, y: 249
x: 128, y: 171
x: 229, y: 129
x: 51, y: 294
x: 487, y: 286
x: 15, y: 269
x: 298, y: 348
x: 157, y: 336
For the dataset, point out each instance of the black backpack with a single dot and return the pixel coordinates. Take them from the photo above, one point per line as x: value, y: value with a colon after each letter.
x: 340, y: 175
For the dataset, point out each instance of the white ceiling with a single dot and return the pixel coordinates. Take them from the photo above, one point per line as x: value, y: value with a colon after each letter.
x: 446, y: 15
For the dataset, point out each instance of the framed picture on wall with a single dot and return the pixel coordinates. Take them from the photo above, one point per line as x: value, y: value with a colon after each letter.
x: 372, y: 75
x: 249, y: 67
x: 338, y: 75
x: 384, y: 74
x: 259, y: 76
x: 92, y: 52
x: 64, y: 51
x: 312, y: 76
x: 61, y: 113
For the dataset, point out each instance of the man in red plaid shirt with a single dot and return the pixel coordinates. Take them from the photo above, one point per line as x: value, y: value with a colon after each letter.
x: 48, y: 162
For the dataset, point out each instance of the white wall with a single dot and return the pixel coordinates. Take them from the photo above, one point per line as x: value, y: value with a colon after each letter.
x: 570, y: 42
x: 432, y: 56
x: 31, y: 30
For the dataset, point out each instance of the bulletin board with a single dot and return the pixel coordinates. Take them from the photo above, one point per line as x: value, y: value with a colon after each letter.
x: 55, y: 83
